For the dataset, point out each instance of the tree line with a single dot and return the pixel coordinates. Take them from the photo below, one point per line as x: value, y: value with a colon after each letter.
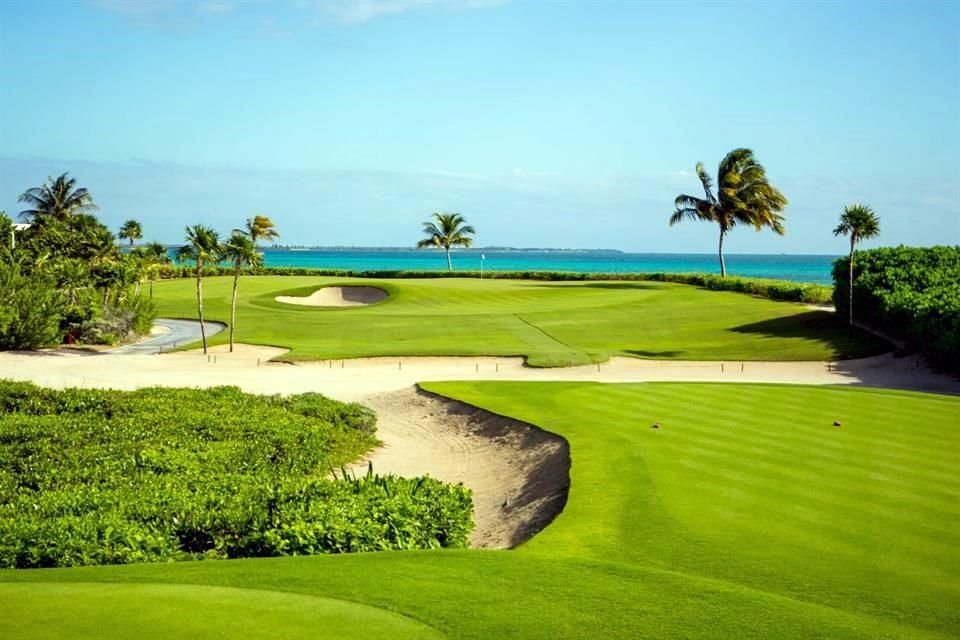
x: 74, y: 265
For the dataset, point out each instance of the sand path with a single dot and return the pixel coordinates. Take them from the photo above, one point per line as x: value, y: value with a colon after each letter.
x: 518, y: 473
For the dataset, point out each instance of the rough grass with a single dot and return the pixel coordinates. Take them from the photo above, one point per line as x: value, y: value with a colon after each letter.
x: 551, y: 323
x: 747, y: 515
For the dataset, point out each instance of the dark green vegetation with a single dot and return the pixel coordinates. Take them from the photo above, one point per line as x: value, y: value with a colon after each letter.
x: 64, y: 278
x: 743, y: 196
x: 747, y: 515
x: 552, y: 324
x: 111, y: 477
x: 909, y: 293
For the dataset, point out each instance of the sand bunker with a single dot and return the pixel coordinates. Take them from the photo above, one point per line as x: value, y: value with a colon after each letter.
x: 519, y: 473
x: 337, y: 297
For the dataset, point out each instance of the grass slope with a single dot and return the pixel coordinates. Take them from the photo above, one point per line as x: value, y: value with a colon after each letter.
x: 551, y: 323
x: 746, y: 515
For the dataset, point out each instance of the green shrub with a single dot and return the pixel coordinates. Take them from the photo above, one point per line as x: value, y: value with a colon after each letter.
x: 31, y: 308
x: 97, y: 477
x: 116, y: 321
x: 909, y: 293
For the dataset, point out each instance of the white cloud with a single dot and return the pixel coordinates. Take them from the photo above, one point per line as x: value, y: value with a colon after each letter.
x: 216, y: 6
x: 359, y: 11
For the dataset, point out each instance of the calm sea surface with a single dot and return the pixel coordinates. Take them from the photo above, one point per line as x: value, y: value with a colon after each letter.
x: 799, y: 268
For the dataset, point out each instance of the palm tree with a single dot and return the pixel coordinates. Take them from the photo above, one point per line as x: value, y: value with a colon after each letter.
x: 744, y: 196
x: 241, y: 251
x: 131, y: 230
x: 58, y: 198
x: 259, y: 228
x: 154, y: 256
x: 860, y: 223
x: 203, y: 245
x: 447, y: 230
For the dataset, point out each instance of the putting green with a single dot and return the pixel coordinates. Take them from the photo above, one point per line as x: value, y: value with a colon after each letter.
x: 103, y: 611
x: 746, y: 515
x: 550, y: 323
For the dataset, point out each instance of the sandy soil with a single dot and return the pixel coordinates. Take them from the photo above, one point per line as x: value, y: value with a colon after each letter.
x: 517, y: 472
x: 337, y: 297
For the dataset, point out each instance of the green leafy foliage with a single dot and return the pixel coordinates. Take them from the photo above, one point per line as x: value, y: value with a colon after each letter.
x: 910, y: 293
x: 30, y: 308
x: 111, y: 477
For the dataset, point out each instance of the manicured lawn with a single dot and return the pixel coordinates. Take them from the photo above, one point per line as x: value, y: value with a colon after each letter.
x: 551, y: 323
x: 747, y: 515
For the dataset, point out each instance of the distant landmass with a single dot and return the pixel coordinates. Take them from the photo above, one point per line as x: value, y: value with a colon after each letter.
x: 491, y: 249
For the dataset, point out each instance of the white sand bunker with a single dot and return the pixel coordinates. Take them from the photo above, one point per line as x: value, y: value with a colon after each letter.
x: 337, y: 297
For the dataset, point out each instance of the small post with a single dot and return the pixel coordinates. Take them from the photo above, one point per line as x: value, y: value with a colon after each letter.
x: 258, y: 362
x: 330, y: 362
x: 598, y: 367
x: 208, y: 358
x: 741, y: 367
x: 497, y: 367
x: 343, y: 364
x: 721, y: 368
x: 477, y: 367
x: 214, y: 359
x: 399, y: 365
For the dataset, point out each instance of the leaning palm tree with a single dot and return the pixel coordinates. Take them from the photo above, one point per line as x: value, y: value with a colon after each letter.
x: 744, y: 196
x: 241, y: 251
x: 131, y: 230
x: 203, y: 245
x: 860, y: 223
x: 259, y: 228
x: 58, y: 198
x: 447, y: 230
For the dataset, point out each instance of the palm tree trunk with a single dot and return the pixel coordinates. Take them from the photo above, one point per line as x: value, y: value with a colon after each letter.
x: 203, y: 331
x: 233, y: 304
x: 853, y: 241
x: 449, y: 263
x: 151, y: 288
x: 723, y: 266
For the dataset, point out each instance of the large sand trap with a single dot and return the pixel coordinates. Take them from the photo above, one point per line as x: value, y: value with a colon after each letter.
x: 348, y: 296
x: 519, y: 474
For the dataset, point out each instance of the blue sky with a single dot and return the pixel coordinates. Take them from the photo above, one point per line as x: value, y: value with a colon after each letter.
x: 544, y: 123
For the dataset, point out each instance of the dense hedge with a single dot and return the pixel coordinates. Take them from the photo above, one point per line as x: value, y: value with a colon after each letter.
x: 909, y: 293
x: 97, y: 477
x: 773, y: 289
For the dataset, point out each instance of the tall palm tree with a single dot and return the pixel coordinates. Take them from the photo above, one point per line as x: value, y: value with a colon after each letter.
x: 154, y: 255
x: 241, y: 251
x: 744, y: 196
x: 447, y: 230
x: 203, y: 245
x: 131, y: 230
x: 58, y: 198
x: 259, y: 228
x: 860, y: 223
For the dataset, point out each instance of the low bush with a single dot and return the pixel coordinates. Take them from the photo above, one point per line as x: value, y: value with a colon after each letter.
x: 773, y: 289
x: 110, y: 477
x: 31, y: 308
x: 116, y: 322
x: 909, y: 293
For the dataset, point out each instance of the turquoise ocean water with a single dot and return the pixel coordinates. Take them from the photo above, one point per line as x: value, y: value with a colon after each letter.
x: 799, y: 268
